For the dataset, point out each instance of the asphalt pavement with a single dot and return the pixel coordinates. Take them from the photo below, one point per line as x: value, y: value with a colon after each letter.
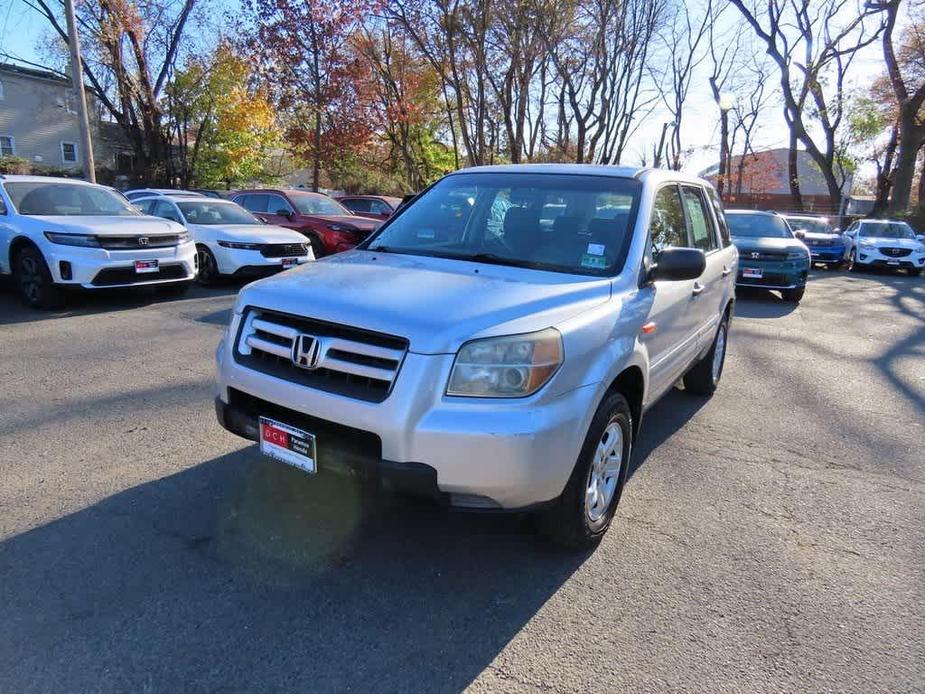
x: 769, y: 539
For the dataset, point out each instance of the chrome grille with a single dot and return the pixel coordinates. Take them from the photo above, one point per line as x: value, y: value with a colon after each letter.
x: 350, y: 361
x: 896, y: 252
x: 119, y: 243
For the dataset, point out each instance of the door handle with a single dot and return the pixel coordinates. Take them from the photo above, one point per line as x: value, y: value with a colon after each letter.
x: 698, y: 288
x: 726, y: 271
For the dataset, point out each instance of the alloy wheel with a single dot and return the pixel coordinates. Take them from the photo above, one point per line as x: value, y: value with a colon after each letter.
x: 30, y: 278
x: 719, y: 353
x: 605, y: 472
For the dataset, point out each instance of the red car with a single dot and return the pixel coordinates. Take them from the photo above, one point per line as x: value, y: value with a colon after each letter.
x: 379, y: 207
x: 329, y: 226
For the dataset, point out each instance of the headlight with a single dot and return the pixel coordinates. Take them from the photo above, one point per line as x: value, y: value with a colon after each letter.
x: 506, y: 367
x: 920, y: 249
x: 867, y: 244
x: 86, y: 240
x: 241, y: 246
x: 183, y: 236
x: 797, y: 255
x: 342, y: 227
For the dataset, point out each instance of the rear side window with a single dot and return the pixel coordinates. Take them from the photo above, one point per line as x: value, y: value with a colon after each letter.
x: 720, y: 216
x: 702, y: 232
x: 355, y: 205
x: 254, y: 203
x: 668, y: 228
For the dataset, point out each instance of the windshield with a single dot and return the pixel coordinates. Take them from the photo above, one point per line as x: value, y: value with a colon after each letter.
x: 70, y: 199
x: 309, y: 203
x: 813, y: 226
x: 887, y: 230
x: 565, y: 223
x: 768, y: 226
x: 215, y: 213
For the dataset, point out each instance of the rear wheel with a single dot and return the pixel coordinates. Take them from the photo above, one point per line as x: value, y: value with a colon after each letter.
x: 704, y: 377
x: 585, y: 510
x: 794, y: 295
x: 208, y: 268
x: 34, y: 281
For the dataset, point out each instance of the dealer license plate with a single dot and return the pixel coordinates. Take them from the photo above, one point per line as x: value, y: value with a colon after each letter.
x: 288, y: 444
x: 145, y: 266
x: 752, y: 272
x: 290, y: 262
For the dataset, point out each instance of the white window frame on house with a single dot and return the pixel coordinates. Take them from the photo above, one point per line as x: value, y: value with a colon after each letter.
x: 12, y: 146
x: 64, y: 159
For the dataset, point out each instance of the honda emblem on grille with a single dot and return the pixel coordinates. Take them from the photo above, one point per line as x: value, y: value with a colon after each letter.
x: 306, y: 349
x: 142, y: 240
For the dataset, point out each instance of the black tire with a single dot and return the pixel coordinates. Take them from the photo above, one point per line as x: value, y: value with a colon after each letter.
x: 34, y: 282
x: 701, y: 379
x: 208, y: 268
x: 569, y: 523
x: 852, y: 265
x: 317, y: 246
x: 914, y: 272
x: 175, y: 290
x: 793, y: 295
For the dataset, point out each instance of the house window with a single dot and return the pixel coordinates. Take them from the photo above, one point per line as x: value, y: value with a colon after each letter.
x: 69, y: 152
x: 1, y: 91
x: 7, y: 146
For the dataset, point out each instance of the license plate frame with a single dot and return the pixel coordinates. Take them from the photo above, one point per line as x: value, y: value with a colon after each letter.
x: 289, y: 445
x: 289, y: 262
x: 145, y: 266
x: 752, y: 273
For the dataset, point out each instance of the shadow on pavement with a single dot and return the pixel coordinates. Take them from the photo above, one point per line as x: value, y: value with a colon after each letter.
x: 266, y: 580
x: 761, y: 303
x: 99, y: 301
x: 670, y: 414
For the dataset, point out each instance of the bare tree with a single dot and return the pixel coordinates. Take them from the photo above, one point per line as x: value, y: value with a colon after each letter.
x: 130, y: 52
x: 813, y: 45
x: 724, y: 64
x: 683, y: 44
x: 905, y: 64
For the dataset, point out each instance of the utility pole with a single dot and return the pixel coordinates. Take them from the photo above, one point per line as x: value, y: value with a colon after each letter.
x: 78, y: 80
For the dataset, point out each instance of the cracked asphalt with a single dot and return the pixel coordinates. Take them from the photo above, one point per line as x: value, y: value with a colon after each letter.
x: 770, y: 539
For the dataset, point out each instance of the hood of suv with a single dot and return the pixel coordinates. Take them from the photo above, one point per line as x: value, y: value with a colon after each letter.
x: 889, y: 242
x: 355, y: 221
x: 110, y: 226
x: 256, y: 233
x: 747, y: 243
x: 436, y: 303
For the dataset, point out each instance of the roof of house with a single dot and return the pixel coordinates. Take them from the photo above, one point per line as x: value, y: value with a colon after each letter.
x: 34, y: 73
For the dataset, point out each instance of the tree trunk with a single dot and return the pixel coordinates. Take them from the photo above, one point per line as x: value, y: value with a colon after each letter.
x: 316, y: 159
x: 922, y: 181
x: 884, y: 173
x: 910, y: 141
x: 793, y: 173
x: 723, y: 153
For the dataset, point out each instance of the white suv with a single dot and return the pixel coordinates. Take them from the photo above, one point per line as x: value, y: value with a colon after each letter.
x: 884, y: 243
x: 495, y: 343
x: 57, y: 233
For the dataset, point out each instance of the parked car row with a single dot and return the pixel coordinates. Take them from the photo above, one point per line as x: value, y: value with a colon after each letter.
x: 777, y: 251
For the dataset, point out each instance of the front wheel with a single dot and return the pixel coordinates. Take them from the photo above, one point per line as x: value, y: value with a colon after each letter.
x: 34, y: 282
x: 585, y: 510
x: 208, y: 268
x: 793, y: 295
x: 704, y: 377
x: 852, y: 265
x: 317, y: 246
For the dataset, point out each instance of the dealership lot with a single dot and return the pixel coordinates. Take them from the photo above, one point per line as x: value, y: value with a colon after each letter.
x: 772, y: 538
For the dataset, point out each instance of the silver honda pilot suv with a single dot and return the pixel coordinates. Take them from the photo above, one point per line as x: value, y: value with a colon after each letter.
x: 495, y: 344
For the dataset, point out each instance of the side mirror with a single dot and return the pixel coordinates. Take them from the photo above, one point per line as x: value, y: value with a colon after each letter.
x: 285, y: 213
x: 675, y: 264
x: 800, y: 234
x: 920, y: 238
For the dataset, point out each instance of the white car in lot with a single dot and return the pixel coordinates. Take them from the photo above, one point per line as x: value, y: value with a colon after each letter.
x: 884, y: 243
x: 230, y: 241
x: 57, y: 233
